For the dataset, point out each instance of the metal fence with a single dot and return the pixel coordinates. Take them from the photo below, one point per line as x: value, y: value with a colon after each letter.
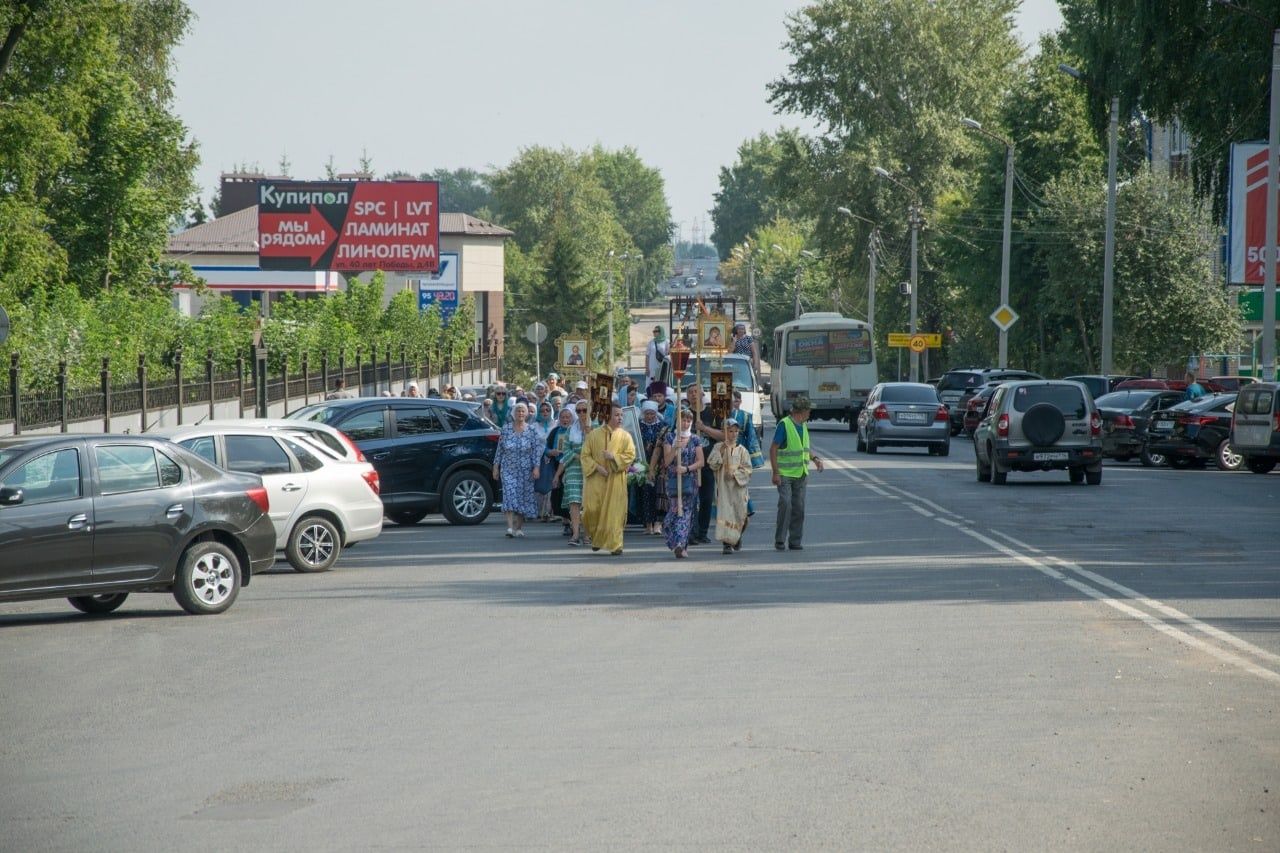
x: 140, y: 390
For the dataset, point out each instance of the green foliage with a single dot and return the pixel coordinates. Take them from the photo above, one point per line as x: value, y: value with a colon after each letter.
x: 462, y: 190
x: 756, y: 188
x: 1190, y: 60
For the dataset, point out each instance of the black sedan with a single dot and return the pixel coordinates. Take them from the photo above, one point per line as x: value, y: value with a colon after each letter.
x: 1201, y: 432
x: 431, y: 455
x: 96, y: 518
x: 1125, y: 417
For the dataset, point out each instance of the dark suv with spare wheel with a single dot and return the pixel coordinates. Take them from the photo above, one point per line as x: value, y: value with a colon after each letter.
x: 431, y: 455
x: 1040, y: 426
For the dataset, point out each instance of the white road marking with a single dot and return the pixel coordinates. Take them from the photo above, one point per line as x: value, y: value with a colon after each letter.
x: 864, y: 479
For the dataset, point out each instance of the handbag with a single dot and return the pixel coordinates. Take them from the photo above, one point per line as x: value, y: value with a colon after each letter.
x: 546, y: 475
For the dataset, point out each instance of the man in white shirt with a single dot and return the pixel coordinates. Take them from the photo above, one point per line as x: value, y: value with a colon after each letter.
x: 655, y: 354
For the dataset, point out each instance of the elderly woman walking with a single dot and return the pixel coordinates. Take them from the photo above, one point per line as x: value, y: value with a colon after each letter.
x: 732, y: 466
x: 516, y: 464
x: 570, y: 473
x: 684, y: 461
x: 653, y: 430
x: 557, y: 441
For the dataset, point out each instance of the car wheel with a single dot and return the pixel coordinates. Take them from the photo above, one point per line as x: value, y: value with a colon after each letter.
x: 314, y: 545
x: 406, y: 517
x: 998, y: 476
x: 944, y: 449
x: 871, y: 445
x: 1259, y: 464
x: 98, y: 604
x: 466, y: 498
x: 862, y: 445
x: 1149, y: 459
x: 984, y: 474
x: 208, y: 578
x: 1093, y: 476
x: 1076, y: 475
x: 1226, y: 458
x: 955, y: 430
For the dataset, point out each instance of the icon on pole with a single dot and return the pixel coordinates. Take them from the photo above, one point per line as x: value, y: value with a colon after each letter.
x: 1004, y: 317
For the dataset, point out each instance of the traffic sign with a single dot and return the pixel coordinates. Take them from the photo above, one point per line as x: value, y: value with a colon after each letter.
x: 536, y: 333
x: 905, y: 340
x: 1004, y: 317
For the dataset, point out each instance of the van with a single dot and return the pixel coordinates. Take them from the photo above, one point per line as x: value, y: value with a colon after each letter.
x: 827, y: 358
x: 1255, y: 426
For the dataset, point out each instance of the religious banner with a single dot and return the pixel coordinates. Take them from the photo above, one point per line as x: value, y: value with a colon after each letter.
x: 721, y: 393
x: 601, y: 397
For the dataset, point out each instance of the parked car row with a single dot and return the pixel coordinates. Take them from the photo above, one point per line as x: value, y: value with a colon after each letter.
x: 196, y: 511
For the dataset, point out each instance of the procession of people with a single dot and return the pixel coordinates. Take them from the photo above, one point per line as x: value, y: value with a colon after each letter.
x: 681, y: 470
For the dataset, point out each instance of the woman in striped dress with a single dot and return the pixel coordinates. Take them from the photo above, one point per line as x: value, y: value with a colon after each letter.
x: 570, y: 473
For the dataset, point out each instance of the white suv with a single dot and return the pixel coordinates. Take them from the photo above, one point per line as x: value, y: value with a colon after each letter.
x: 319, y: 503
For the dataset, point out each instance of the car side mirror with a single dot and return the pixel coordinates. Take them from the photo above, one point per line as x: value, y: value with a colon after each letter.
x: 11, y: 496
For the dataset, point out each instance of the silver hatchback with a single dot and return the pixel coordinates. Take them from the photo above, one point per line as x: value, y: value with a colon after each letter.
x: 1255, y: 427
x: 904, y: 414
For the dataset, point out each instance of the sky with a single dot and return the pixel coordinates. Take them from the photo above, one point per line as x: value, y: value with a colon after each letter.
x: 426, y: 84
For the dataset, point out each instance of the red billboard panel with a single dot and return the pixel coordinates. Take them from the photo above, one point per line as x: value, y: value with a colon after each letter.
x: 349, y: 226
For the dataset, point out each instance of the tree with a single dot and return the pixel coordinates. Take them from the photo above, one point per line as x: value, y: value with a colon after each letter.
x: 1168, y: 303
x: 1212, y: 62
x: 754, y: 190
x: 462, y: 190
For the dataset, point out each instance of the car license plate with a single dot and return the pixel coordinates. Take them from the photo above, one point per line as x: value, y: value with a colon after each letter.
x: 913, y: 417
x: 1056, y: 456
x: 829, y: 387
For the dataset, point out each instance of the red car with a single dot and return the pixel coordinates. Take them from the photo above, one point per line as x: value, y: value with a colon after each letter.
x: 976, y: 405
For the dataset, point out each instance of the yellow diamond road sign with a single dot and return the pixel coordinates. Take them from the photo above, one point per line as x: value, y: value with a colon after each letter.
x: 1004, y: 317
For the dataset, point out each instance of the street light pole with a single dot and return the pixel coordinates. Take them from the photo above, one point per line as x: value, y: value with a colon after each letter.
x: 1109, y: 250
x: 915, y: 281
x: 1008, y: 228
x: 872, y: 239
x: 610, y: 301
x: 1268, y: 373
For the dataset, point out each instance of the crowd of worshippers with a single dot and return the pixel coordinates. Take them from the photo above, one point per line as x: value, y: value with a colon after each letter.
x: 686, y: 479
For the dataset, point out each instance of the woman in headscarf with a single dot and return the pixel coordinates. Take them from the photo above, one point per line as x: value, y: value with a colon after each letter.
x: 570, y: 473
x: 653, y: 430
x: 542, y: 424
x: 501, y: 407
x: 684, y: 461
x: 732, y: 466
x: 516, y: 463
x: 557, y: 442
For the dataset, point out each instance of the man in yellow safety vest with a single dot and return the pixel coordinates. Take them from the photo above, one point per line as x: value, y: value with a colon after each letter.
x: 789, y: 456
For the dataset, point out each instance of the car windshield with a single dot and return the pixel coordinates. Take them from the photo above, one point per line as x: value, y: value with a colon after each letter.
x: 742, y: 378
x: 908, y: 394
x: 1124, y: 399
x: 960, y: 380
x: 322, y: 414
x: 1065, y: 398
x: 9, y: 453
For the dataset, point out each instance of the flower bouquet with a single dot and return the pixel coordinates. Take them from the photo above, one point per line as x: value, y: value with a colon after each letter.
x: 636, y: 473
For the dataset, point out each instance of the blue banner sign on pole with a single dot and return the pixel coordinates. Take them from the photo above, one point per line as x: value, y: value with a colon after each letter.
x: 441, y: 288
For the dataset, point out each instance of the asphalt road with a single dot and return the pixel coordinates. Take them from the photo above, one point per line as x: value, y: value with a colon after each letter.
x: 947, y: 665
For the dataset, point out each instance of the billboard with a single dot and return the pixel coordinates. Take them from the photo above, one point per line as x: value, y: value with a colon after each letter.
x: 441, y: 288
x: 349, y: 226
x: 1247, y: 213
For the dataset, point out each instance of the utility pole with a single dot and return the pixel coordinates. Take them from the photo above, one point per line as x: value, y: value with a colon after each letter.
x: 1005, y: 242
x: 915, y: 285
x: 751, y: 289
x: 871, y: 283
x: 1109, y: 250
x: 1268, y: 373
x: 610, y: 302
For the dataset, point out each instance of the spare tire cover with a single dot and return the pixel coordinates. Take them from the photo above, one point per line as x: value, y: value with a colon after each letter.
x: 1043, y: 424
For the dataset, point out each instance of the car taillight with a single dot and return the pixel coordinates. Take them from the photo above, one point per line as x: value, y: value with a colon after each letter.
x: 371, y: 477
x: 1197, y: 420
x: 942, y: 414
x: 881, y: 412
x: 259, y: 496
x: 1275, y: 424
x: 1095, y: 423
x: 1122, y: 422
x: 351, y: 445
x: 494, y: 437
x: 1002, y: 426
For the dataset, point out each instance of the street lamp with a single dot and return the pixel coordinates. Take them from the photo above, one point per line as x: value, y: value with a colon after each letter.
x: 1008, y: 227
x: 1268, y: 372
x: 914, y: 220
x: 1109, y: 247
x: 871, y: 273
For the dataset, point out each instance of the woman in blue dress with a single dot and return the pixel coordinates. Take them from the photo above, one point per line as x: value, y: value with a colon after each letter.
x: 516, y: 464
x: 570, y: 473
x: 683, y: 458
